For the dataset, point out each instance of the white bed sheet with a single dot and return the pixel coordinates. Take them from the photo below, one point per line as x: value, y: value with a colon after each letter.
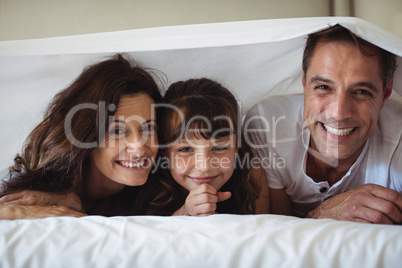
x: 214, y: 241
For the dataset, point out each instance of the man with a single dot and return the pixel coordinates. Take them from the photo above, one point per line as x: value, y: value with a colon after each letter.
x: 340, y: 157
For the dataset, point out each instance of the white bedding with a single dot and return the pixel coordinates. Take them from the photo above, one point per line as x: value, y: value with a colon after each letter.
x: 253, y: 59
x: 214, y: 241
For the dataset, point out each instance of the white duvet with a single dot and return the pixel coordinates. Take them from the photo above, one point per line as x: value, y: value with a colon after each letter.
x: 214, y: 241
x: 254, y: 59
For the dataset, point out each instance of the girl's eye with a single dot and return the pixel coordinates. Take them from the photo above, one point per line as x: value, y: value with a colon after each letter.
x: 185, y: 149
x: 219, y: 148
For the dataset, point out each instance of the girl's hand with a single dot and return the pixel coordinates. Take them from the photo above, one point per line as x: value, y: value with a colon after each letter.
x: 37, y: 198
x: 201, y: 201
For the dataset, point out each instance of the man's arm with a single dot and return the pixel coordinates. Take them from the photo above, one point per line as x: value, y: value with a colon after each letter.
x: 367, y: 203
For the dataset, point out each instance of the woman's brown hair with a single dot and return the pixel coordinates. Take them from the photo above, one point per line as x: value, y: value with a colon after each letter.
x: 55, y: 153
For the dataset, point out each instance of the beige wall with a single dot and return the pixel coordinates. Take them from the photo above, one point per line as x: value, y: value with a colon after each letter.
x: 20, y: 19
x: 385, y: 13
x: 24, y: 19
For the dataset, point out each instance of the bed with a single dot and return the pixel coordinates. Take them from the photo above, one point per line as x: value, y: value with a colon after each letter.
x: 254, y: 59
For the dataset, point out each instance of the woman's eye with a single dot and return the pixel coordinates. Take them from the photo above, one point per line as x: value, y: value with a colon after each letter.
x: 116, y: 131
x: 149, y: 128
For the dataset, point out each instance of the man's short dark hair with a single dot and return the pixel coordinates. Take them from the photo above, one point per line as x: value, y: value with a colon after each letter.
x: 338, y: 33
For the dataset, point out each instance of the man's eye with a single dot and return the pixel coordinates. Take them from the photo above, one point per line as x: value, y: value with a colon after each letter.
x: 321, y: 87
x: 364, y: 92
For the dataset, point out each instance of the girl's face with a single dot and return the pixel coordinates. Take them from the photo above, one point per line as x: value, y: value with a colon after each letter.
x: 127, y: 154
x: 197, y: 161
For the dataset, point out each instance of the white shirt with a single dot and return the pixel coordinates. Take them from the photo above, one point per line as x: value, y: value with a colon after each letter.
x: 281, y: 140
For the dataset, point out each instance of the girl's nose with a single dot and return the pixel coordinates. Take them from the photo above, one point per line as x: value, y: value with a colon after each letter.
x: 202, y: 162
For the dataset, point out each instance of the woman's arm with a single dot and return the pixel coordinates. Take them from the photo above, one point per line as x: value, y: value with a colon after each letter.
x: 15, y: 212
x: 37, y: 198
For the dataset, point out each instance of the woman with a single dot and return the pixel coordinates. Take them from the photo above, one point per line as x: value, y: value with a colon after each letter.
x: 97, y: 139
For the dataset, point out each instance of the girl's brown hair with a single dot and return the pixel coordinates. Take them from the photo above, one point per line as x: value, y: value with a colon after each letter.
x: 208, y: 107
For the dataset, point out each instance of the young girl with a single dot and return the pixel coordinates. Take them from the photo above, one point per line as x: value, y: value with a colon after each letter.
x: 208, y: 160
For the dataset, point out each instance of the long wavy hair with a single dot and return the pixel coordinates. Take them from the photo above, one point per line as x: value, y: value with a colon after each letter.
x: 202, y: 100
x: 55, y: 154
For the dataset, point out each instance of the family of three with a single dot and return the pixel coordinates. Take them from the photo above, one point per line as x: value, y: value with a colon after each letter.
x: 110, y: 144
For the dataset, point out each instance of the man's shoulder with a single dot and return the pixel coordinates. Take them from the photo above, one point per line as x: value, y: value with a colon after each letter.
x: 282, y: 115
x: 279, y: 105
x: 390, y: 121
x: 393, y: 105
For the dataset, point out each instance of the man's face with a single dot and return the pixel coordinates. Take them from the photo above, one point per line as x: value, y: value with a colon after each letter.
x: 343, y: 95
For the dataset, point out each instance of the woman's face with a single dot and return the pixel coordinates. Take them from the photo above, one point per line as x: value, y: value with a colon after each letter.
x: 126, y: 155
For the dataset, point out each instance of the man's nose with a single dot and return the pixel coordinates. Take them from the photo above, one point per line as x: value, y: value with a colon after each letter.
x: 341, y: 107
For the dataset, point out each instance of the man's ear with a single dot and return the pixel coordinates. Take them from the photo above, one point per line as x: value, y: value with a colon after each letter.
x: 304, y: 80
x: 387, y: 91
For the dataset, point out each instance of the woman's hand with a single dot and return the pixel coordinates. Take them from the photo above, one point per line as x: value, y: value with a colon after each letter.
x: 15, y: 212
x: 201, y: 201
x: 37, y: 198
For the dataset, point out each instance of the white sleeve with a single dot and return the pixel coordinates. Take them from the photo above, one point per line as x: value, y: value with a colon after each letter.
x: 396, y: 168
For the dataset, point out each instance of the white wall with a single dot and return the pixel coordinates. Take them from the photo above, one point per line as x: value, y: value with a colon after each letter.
x: 24, y: 19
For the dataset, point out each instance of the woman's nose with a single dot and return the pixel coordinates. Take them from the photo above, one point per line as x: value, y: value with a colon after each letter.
x: 136, y: 145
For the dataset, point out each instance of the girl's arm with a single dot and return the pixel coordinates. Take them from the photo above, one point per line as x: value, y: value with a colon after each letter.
x: 262, y: 204
x: 280, y: 202
x: 201, y: 201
